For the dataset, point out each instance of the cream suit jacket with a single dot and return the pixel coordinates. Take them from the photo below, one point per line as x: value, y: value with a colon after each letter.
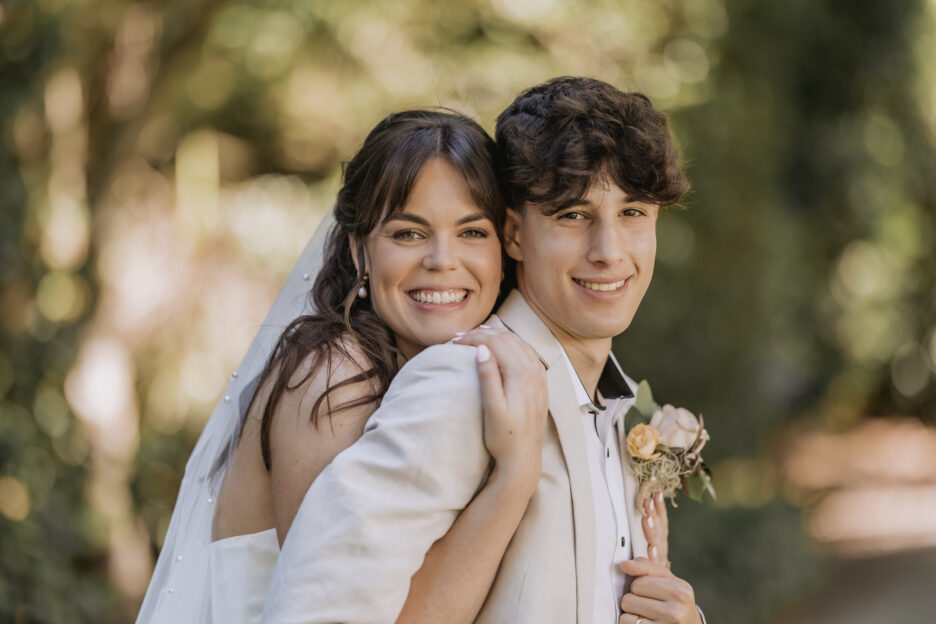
x: 369, y: 518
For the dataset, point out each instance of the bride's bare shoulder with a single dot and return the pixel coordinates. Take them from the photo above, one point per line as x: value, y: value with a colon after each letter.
x: 340, y: 371
x: 308, y: 431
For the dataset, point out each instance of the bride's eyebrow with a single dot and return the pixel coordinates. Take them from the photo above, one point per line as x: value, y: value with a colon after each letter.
x: 478, y: 216
x: 405, y: 216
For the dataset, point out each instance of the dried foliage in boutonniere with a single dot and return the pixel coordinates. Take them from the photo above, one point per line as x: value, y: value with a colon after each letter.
x: 665, y: 449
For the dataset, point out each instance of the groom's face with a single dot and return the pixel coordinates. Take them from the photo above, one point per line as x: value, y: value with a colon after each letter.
x: 585, y: 268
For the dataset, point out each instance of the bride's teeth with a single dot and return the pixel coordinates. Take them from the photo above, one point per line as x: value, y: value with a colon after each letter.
x: 438, y: 297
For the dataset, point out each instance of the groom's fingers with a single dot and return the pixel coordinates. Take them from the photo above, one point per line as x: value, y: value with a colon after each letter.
x: 658, y: 592
x: 641, y: 566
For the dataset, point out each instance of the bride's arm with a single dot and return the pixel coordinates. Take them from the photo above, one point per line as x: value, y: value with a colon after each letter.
x: 459, y: 569
x: 299, y: 449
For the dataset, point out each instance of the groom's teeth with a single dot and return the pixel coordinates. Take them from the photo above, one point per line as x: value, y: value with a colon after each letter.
x: 600, y: 287
x: 438, y: 297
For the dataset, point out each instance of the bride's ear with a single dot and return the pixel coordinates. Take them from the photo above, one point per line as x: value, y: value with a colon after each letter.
x: 357, y: 254
x: 512, y: 235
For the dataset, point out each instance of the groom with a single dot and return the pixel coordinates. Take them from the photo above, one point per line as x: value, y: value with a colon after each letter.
x: 585, y: 169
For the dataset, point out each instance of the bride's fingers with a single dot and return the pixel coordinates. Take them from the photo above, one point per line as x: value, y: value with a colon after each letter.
x: 656, y: 529
x: 517, y: 360
x: 492, y: 388
x: 664, y: 514
x: 514, y: 400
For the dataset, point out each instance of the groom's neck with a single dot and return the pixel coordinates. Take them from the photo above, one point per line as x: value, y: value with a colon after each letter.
x: 588, y: 357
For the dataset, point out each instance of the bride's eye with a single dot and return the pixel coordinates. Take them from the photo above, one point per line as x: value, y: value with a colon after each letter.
x: 475, y: 233
x: 408, y: 235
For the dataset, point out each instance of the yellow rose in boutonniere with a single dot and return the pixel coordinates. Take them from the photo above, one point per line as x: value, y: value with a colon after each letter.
x: 642, y: 442
x: 665, y: 446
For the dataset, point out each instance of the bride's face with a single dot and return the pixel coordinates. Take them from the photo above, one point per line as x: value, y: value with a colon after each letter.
x: 434, y: 267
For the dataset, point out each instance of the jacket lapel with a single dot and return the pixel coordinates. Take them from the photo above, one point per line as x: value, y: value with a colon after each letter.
x: 517, y: 316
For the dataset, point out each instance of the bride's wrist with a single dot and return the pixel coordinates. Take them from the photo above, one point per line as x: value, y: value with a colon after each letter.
x: 516, y: 478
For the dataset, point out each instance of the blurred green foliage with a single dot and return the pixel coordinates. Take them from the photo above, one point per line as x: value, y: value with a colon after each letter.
x: 796, y: 290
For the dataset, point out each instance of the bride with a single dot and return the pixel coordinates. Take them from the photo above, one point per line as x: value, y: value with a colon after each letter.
x: 413, y: 257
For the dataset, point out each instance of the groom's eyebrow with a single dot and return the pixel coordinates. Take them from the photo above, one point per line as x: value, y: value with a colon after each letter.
x: 551, y: 209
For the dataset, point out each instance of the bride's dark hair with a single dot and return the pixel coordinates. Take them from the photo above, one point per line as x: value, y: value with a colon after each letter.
x: 376, y: 184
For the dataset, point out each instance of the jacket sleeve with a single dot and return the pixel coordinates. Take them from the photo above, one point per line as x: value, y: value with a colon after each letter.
x: 367, y: 521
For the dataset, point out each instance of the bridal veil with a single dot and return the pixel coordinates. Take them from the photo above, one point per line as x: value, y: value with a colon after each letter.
x: 179, y: 588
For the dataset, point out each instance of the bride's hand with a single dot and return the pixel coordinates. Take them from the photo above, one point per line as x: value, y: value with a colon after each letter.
x: 515, y: 402
x: 656, y: 529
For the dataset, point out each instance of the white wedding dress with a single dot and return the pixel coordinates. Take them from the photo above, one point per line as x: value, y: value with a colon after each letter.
x: 240, y: 572
x: 196, y: 580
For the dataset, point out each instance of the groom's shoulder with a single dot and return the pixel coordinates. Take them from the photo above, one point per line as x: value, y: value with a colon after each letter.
x: 443, y: 359
x: 443, y: 377
x: 443, y: 368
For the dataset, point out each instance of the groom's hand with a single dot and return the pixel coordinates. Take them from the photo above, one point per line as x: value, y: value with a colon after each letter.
x: 657, y: 596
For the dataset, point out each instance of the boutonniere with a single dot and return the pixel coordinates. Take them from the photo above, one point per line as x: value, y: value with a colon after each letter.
x: 665, y: 449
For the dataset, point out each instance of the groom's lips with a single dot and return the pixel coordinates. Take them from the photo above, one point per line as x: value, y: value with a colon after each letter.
x: 602, y: 289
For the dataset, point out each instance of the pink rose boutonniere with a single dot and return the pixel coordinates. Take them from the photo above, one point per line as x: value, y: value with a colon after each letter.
x: 665, y: 449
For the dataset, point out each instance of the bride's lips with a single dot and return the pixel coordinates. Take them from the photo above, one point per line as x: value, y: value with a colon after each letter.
x: 439, y: 298
x: 603, y: 289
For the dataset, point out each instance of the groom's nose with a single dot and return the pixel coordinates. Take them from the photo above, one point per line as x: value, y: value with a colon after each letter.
x: 606, y: 245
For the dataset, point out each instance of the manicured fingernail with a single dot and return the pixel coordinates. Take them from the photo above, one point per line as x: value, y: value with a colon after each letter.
x: 484, y: 354
x: 651, y: 504
x: 650, y: 521
x: 484, y: 326
x: 653, y: 551
x: 458, y: 335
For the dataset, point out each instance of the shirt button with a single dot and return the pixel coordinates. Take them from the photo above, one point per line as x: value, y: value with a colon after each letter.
x: 171, y: 590
x: 179, y: 558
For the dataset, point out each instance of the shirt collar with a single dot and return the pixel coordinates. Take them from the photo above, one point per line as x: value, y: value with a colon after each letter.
x: 612, y: 384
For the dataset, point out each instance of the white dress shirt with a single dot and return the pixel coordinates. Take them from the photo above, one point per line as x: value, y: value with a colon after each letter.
x: 612, y: 533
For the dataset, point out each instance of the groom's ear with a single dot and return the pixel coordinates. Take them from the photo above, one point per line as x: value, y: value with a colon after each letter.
x: 512, y: 234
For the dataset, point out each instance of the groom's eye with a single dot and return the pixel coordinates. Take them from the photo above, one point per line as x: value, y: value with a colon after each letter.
x: 572, y: 216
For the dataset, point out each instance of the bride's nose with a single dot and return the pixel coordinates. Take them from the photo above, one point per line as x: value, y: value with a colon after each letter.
x: 439, y: 256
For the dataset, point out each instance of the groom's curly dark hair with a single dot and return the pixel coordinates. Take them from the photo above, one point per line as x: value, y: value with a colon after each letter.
x: 557, y: 137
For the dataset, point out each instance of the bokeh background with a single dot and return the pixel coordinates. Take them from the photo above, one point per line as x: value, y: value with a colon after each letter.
x: 163, y: 163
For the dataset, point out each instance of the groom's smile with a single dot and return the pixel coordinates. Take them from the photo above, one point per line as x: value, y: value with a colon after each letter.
x: 602, y: 287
